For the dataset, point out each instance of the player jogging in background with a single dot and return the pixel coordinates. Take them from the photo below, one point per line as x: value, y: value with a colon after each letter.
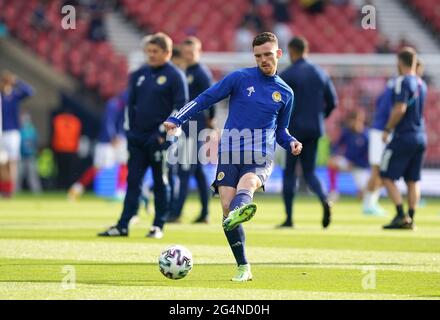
x: 403, y: 156
x: 260, y: 106
x: 12, y: 92
x: 315, y: 99
x: 376, y: 146
x: 110, y: 149
x: 199, y: 79
x: 155, y: 91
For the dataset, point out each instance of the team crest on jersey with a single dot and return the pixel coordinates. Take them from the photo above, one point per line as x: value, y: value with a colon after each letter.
x: 190, y: 78
x: 161, y: 80
x: 220, y: 176
x: 250, y: 90
x: 276, y: 96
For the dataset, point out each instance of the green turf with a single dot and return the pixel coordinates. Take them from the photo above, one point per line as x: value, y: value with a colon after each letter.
x: 42, y: 236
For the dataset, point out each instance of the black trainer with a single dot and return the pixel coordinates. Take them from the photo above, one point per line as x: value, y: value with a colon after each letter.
x: 114, y: 231
x: 286, y: 224
x: 327, y: 214
x: 400, y: 222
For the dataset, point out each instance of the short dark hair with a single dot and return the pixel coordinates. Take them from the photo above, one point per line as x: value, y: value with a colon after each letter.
x: 162, y: 40
x: 264, y: 37
x: 299, y: 44
x: 408, y: 56
x: 193, y: 41
x: 177, y: 53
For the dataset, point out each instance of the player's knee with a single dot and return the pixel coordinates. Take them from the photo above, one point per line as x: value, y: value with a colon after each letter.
x: 249, y: 182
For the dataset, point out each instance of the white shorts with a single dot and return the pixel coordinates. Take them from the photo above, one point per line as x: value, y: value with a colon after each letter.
x: 343, y: 163
x: 376, y: 147
x: 121, y: 151
x: 104, y: 157
x: 361, y: 177
x: 10, y: 146
x: 107, y: 156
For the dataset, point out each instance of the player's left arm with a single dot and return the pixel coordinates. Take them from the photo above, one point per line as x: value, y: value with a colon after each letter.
x: 401, y: 98
x: 282, y: 134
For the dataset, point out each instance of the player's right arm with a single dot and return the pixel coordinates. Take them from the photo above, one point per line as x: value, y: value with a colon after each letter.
x: 23, y: 90
x: 401, y: 98
x: 206, y: 99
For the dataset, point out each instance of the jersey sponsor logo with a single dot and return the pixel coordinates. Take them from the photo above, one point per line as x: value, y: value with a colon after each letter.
x: 276, y: 96
x: 190, y: 79
x: 140, y: 80
x: 250, y: 90
x: 161, y: 80
x: 220, y: 176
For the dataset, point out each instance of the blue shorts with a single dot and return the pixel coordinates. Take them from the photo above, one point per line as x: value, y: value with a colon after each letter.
x: 403, y: 157
x: 229, y: 173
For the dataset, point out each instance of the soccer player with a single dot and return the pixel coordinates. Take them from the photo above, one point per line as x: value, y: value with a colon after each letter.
x: 315, y: 99
x: 260, y: 106
x: 13, y: 92
x: 384, y: 104
x: 351, y: 153
x: 111, y: 146
x: 199, y: 79
x: 155, y: 91
x: 376, y: 147
x: 403, y: 156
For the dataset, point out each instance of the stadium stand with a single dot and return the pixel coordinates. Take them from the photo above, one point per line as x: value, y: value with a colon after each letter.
x: 209, y: 26
x: 95, y: 63
x: 429, y: 11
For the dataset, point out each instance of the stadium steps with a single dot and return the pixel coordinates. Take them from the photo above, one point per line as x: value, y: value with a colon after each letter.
x: 395, y: 21
x: 123, y: 36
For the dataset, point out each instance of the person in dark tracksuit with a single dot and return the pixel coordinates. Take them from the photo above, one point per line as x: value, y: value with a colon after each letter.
x: 199, y: 79
x: 155, y: 91
x: 405, y: 151
x: 315, y: 99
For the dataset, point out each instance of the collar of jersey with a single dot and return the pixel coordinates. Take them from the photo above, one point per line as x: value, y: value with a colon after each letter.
x: 262, y: 75
x: 159, y: 67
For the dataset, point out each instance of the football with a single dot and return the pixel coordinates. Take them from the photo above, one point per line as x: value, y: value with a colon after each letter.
x: 175, y: 262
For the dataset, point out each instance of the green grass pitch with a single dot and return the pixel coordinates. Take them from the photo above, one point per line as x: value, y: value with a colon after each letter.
x: 46, y: 241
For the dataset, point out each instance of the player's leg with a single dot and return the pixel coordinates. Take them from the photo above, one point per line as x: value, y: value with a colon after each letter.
x: 236, y: 237
x: 413, y: 198
x: 412, y: 177
x: 33, y: 178
x: 162, y: 196
x: 289, y: 187
x: 308, y: 164
x: 137, y: 165
x: 11, y: 141
x: 336, y: 164
x: 371, y: 197
x: 393, y: 166
x: 372, y: 193
x: 202, y: 186
x: 241, y: 208
x: 4, y: 177
x: 183, y: 173
x: 227, y: 178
